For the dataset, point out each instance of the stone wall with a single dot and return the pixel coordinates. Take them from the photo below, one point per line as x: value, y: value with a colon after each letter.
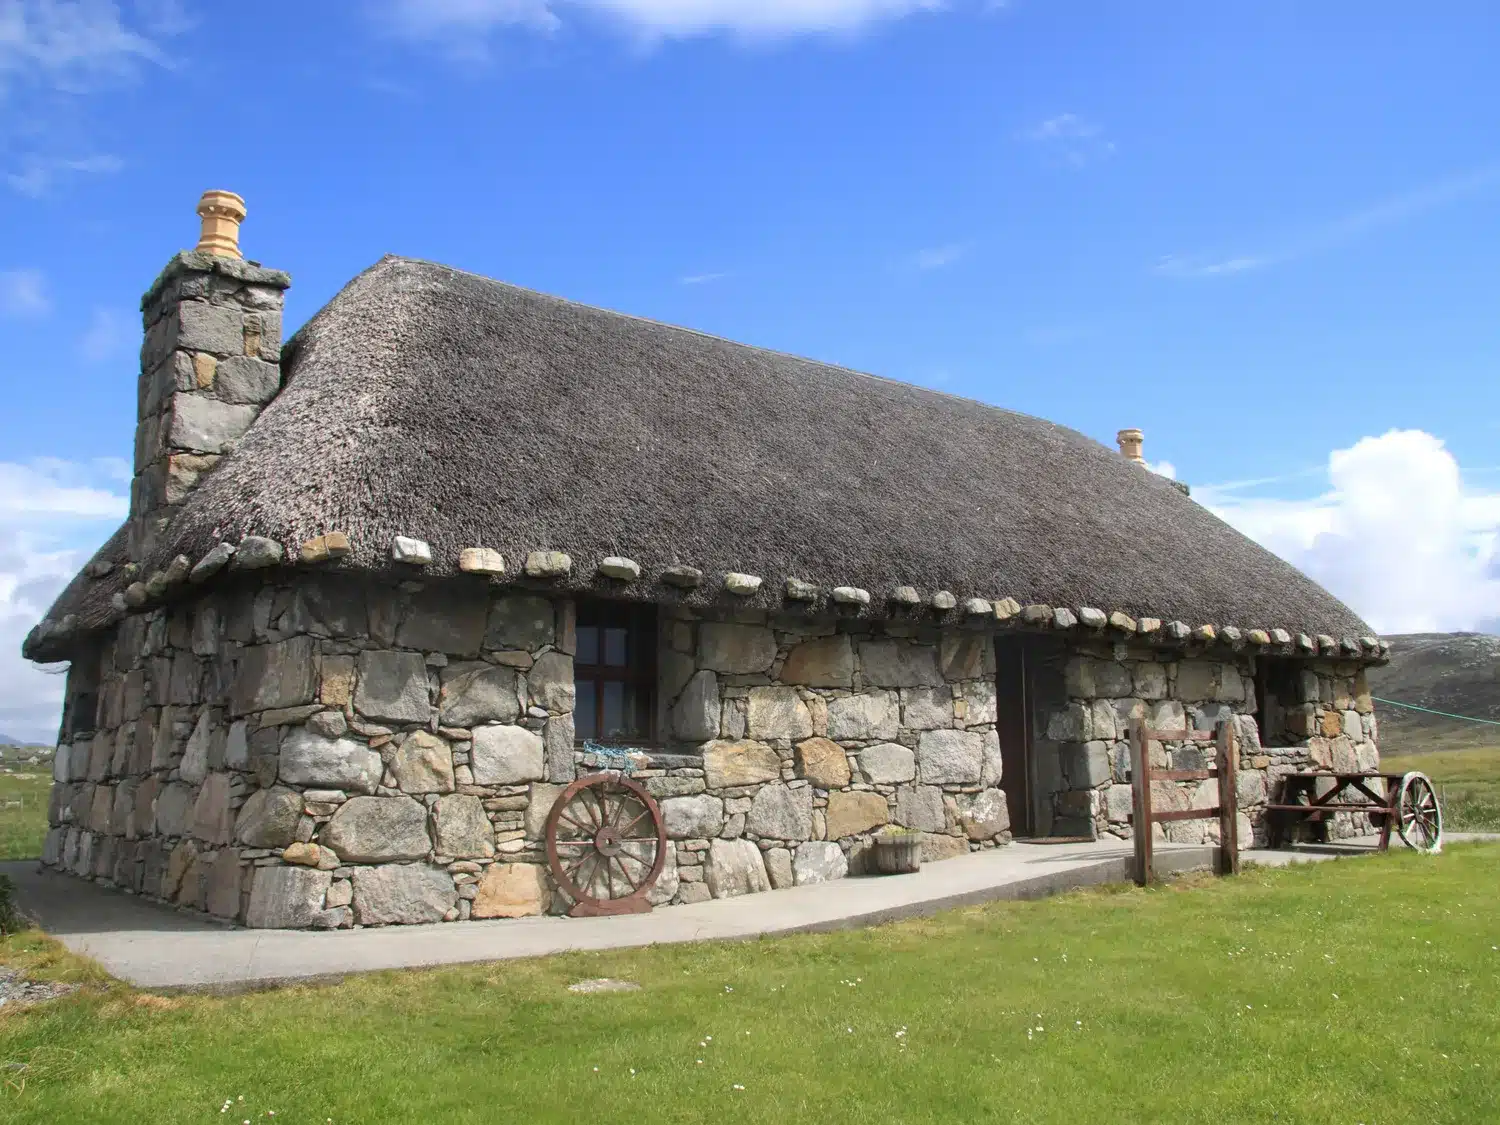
x: 789, y: 740
x: 1083, y: 759
x: 321, y: 751
x: 304, y: 749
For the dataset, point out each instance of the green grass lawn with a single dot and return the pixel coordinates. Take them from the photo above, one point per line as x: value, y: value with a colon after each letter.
x: 23, y: 812
x: 1353, y: 991
x: 1468, y: 783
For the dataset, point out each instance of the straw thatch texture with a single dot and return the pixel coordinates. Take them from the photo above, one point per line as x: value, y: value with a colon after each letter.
x: 427, y: 402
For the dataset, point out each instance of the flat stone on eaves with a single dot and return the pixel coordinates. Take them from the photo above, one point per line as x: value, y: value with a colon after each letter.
x: 620, y: 568
x: 412, y: 551
x: 481, y: 560
x: 255, y: 552
x: 548, y: 564
x: 799, y: 591
x: 392, y: 687
x: 210, y: 564
x: 682, y: 577
x: 741, y: 585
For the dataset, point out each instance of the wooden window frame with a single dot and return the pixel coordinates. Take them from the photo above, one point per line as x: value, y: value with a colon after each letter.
x: 640, y: 621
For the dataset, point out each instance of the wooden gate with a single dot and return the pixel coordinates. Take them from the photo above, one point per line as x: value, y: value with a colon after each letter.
x: 1142, y: 774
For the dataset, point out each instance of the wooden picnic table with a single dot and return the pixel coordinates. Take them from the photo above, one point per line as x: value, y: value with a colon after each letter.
x: 1404, y: 801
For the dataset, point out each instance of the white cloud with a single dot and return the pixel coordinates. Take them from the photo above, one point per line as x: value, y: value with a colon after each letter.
x: 442, y: 19
x: 70, y: 44
x: 53, y: 515
x: 936, y: 257
x: 23, y: 293
x: 701, y: 278
x: 38, y: 174
x: 1398, y: 535
x: 1071, y: 140
x: 1173, y: 266
x: 1163, y: 469
x: 1340, y: 231
x: 107, y: 335
x: 48, y: 488
x: 52, y: 53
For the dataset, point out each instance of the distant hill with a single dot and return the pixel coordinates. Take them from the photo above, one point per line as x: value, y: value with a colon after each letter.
x: 1454, y: 672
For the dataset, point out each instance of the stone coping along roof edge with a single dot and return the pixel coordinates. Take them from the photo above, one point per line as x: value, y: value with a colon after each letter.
x: 619, y: 577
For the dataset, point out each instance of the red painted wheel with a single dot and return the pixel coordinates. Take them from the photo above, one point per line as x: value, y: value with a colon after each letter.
x: 606, y: 845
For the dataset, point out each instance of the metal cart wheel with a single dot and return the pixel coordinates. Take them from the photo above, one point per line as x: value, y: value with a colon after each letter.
x: 606, y: 845
x: 1419, y: 820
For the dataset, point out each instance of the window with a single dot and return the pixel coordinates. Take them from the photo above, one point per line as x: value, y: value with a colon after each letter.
x: 1278, y: 689
x: 615, y: 673
x: 81, y: 712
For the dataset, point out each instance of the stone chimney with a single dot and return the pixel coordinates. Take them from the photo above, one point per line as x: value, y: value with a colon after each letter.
x: 1130, y: 442
x: 210, y: 362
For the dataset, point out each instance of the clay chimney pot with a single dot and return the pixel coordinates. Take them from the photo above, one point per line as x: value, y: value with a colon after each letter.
x: 222, y: 212
x: 1130, y: 445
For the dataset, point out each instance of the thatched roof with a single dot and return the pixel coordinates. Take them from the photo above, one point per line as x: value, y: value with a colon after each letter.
x: 427, y: 402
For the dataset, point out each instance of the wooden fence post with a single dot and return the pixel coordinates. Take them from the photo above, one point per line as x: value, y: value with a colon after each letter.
x: 1140, y: 777
x: 1229, y: 808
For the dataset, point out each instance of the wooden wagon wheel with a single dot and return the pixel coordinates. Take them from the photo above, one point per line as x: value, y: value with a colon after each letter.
x: 1419, y: 820
x: 606, y: 845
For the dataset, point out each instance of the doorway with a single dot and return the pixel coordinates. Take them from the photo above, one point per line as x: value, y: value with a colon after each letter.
x: 1013, y: 702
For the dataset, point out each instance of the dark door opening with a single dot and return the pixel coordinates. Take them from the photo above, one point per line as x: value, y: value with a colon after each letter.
x: 1013, y: 724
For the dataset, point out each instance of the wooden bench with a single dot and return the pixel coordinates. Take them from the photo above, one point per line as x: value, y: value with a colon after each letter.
x: 1408, y: 803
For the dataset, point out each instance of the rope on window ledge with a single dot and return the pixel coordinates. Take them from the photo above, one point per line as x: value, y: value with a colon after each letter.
x: 623, y: 758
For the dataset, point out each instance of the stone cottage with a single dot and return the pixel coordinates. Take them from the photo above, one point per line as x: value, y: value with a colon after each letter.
x: 385, y: 588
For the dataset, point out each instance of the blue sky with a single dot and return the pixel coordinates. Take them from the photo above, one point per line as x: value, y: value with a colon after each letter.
x: 1264, y: 232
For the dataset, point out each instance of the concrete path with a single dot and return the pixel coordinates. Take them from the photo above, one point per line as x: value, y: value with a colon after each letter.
x: 153, y: 946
